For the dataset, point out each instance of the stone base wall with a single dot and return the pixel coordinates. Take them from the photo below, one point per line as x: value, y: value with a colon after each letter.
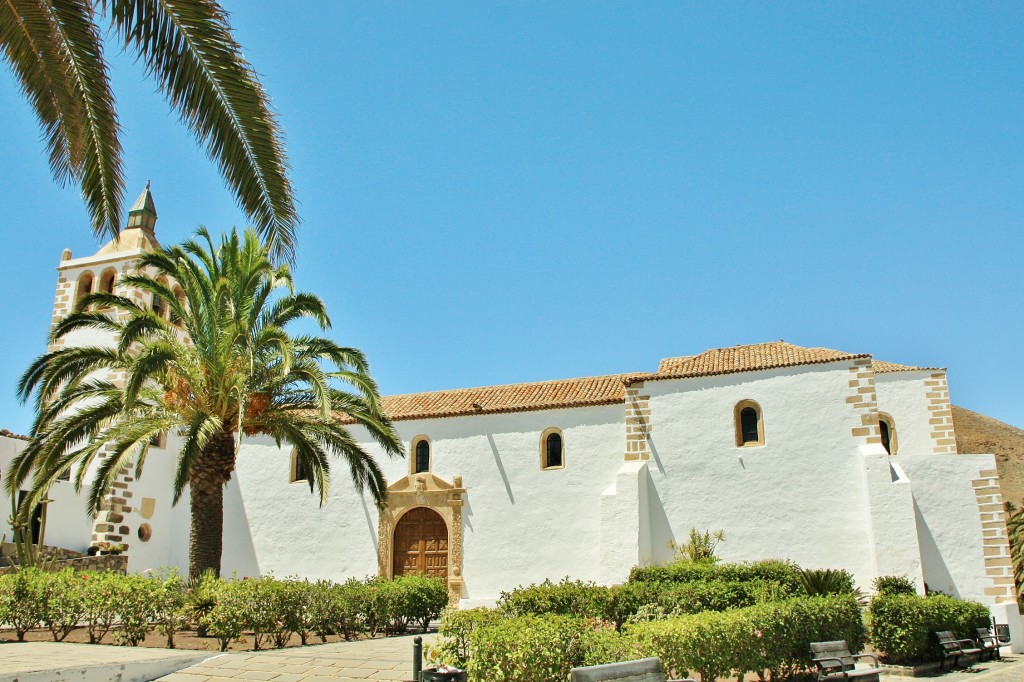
x: 97, y: 564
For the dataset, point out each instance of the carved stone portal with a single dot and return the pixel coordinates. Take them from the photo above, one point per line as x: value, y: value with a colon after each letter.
x: 432, y: 492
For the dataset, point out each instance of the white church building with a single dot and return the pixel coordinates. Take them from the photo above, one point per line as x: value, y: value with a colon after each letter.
x: 831, y: 459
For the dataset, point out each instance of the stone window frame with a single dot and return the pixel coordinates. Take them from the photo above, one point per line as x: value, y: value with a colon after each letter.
x: 295, y: 471
x: 104, y: 282
x: 890, y: 423
x: 544, y: 448
x: 88, y: 280
x: 413, y: 446
x: 158, y: 305
x: 738, y: 423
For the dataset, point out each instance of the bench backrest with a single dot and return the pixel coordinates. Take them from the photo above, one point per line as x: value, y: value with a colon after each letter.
x: 983, y: 632
x: 644, y: 670
x: 820, y: 651
x: 947, y: 640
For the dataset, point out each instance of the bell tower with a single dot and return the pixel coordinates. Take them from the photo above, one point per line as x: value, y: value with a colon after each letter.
x: 102, y: 271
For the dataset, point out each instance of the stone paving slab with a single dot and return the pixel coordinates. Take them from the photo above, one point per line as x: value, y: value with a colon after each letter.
x: 1009, y: 669
x: 388, y: 659
x: 53, y: 661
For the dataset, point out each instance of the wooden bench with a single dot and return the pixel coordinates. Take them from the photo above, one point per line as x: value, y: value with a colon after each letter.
x: 955, y: 648
x: 835, y: 662
x: 988, y: 643
x: 644, y: 670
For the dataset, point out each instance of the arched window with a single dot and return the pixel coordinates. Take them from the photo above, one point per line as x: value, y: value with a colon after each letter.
x: 84, y: 286
x: 887, y: 429
x: 159, y: 309
x: 159, y: 305
x: 298, y: 472
x: 421, y: 456
x: 552, y: 450
x: 107, y: 280
x: 749, y: 424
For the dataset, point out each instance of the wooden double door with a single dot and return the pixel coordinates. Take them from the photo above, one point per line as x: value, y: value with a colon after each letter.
x: 420, y: 544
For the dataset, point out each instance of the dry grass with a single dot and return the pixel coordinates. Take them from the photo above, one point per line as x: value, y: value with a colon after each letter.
x: 978, y: 434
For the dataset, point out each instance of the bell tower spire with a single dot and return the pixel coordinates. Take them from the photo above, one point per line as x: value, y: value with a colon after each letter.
x: 143, y: 212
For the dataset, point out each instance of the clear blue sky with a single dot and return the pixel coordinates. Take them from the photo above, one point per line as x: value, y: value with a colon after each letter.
x: 505, y: 192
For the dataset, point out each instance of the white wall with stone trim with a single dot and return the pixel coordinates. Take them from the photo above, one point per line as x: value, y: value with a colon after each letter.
x: 903, y: 395
x: 521, y: 524
x: 891, y: 518
x: 809, y: 467
x: 819, y: 490
x: 948, y: 522
x: 68, y: 523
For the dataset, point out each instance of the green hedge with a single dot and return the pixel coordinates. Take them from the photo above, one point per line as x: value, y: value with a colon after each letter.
x: 785, y: 573
x: 619, y: 603
x: 903, y: 626
x: 271, y: 610
x: 769, y: 639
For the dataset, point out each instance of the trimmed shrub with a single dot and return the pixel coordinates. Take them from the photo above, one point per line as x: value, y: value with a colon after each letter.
x: 63, y: 602
x: 423, y: 599
x: 894, y: 584
x: 604, y: 644
x: 22, y: 600
x: 769, y: 639
x: 619, y: 603
x: 227, y: 619
x: 527, y: 649
x: 101, y: 603
x: 171, y: 598
x: 453, y: 647
x: 784, y: 631
x: 136, y: 602
x: 566, y: 598
x: 903, y: 626
x: 785, y: 573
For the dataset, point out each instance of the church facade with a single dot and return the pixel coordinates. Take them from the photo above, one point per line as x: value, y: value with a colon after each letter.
x: 828, y: 458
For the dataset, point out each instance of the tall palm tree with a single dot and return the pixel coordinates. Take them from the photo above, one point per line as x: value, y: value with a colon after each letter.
x: 218, y: 364
x: 55, y: 51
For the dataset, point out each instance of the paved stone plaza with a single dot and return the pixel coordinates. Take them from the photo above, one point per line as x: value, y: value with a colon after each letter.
x: 374, y: 659
x: 369, y: 659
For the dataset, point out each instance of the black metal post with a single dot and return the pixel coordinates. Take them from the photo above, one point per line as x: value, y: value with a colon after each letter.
x: 417, y: 657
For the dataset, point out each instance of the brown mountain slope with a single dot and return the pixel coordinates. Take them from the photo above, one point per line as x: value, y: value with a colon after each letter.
x: 978, y: 434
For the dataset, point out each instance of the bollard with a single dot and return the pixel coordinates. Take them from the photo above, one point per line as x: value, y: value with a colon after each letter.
x: 417, y: 657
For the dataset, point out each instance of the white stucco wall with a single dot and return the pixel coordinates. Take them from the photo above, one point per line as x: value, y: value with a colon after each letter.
x: 891, y: 517
x: 800, y: 496
x: 902, y: 395
x: 67, y: 523
x: 521, y: 524
x: 948, y: 522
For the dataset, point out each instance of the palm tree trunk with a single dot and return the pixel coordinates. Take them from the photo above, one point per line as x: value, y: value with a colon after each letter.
x: 207, y: 479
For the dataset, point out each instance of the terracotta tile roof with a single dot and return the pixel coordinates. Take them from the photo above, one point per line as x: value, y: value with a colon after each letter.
x: 883, y: 367
x: 747, y: 359
x: 541, y: 395
x: 610, y: 389
x: 10, y: 434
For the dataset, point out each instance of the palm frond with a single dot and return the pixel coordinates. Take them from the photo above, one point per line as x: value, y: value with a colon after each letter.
x: 188, y: 47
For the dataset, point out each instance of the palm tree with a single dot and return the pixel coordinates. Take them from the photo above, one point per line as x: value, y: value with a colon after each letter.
x: 56, y: 53
x: 213, y: 362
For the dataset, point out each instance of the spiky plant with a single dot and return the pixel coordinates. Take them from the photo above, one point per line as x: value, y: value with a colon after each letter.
x: 223, y: 366
x: 55, y: 51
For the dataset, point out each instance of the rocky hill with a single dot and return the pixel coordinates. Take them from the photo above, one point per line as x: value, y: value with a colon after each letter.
x: 976, y: 433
